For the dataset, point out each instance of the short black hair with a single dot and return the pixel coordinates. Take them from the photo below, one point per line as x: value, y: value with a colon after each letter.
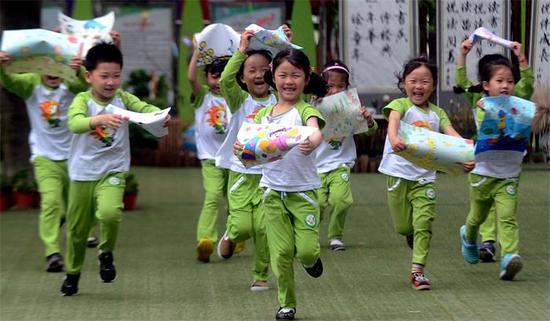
x: 102, y: 52
x: 217, y: 66
x: 262, y: 52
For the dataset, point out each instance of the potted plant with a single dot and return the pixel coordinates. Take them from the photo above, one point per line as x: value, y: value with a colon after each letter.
x: 25, y: 190
x: 6, y: 194
x: 130, y: 192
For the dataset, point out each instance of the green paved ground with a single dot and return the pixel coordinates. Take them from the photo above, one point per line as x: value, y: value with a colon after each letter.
x: 159, y: 278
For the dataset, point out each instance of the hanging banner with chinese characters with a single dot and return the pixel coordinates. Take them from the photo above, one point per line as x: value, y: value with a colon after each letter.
x: 458, y: 19
x: 379, y: 37
x: 540, y: 42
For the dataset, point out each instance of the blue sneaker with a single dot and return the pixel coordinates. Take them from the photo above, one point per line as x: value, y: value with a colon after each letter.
x: 510, y: 266
x: 470, y: 251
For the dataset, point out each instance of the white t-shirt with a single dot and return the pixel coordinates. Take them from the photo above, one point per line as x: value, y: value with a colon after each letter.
x: 212, y: 118
x: 434, y: 118
x: 225, y: 156
x: 99, y: 151
x: 295, y: 172
x: 328, y: 158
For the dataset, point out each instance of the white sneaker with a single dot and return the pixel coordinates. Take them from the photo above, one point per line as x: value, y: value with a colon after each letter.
x: 336, y: 245
x: 259, y: 286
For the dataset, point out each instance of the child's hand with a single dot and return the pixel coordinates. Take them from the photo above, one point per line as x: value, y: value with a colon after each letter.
x: 287, y: 31
x: 469, y: 166
x: 107, y: 120
x: 237, y: 147
x: 518, y: 51
x: 480, y: 104
x: 306, y: 147
x: 75, y: 63
x: 166, y: 120
x: 5, y: 58
x: 245, y: 40
x: 397, y: 144
x: 466, y: 46
x: 115, y: 35
x: 367, y: 115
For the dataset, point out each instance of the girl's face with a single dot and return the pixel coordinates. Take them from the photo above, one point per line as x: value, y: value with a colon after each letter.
x: 501, y: 82
x: 254, y: 70
x: 419, y: 86
x: 290, y: 82
x: 336, y: 82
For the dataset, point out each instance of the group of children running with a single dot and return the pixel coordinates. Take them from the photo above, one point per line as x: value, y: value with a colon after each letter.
x: 80, y: 153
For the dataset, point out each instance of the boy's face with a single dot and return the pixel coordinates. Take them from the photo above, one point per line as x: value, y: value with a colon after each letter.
x: 105, y: 80
x: 213, y: 82
x: 51, y: 81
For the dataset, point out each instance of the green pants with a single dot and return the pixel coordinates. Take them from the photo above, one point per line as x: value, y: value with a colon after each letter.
x: 292, y: 225
x: 335, y: 194
x: 53, y: 184
x: 488, y: 230
x: 246, y: 218
x: 484, y: 191
x: 214, y: 181
x: 412, y: 206
x: 88, y: 201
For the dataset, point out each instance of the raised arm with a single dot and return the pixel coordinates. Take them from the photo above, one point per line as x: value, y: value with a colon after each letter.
x: 192, y: 71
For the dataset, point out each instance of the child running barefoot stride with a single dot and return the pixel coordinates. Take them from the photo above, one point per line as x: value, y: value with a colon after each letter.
x: 495, y: 181
x: 244, y: 195
x: 211, y: 121
x: 523, y: 89
x: 99, y: 159
x: 411, y: 188
x: 335, y: 160
x: 290, y: 196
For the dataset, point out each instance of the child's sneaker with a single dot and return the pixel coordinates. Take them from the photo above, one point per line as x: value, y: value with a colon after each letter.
x: 510, y: 266
x: 107, y: 271
x: 336, y: 245
x: 487, y: 252
x: 205, y: 247
x: 420, y: 282
x: 225, y: 247
x: 92, y: 242
x: 239, y: 247
x: 316, y: 270
x: 285, y: 314
x: 70, y: 284
x: 259, y: 285
x: 54, y: 263
x: 470, y: 251
x: 410, y: 240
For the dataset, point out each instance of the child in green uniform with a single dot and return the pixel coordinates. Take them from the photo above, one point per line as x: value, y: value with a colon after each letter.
x: 211, y: 121
x: 495, y: 180
x: 523, y: 89
x: 290, y: 197
x: 47, y: 99
x: 244, y: 195
x: 99, y: 159
x: 411, y: 188
x: 334, y: 161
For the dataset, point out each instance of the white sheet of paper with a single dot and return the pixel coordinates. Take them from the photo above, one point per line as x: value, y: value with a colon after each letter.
x: 216, y: 40
x: 89, y: 31
x: 484, y: 33
x: 152, y: 122
x: 271, y: 40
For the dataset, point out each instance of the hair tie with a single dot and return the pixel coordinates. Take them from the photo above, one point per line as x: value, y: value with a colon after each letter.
x: 336, y: 67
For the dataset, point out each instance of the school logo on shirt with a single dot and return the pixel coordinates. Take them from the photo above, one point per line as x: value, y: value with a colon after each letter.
x: 511, y: 190
x: 217, y: 118
x: 51, y: 112
x: 254, y: 113
x: 335, y: 144
x: 430, y: 193
x: 311, y: 220
x: 114, y: 181
x: 104, y: 135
